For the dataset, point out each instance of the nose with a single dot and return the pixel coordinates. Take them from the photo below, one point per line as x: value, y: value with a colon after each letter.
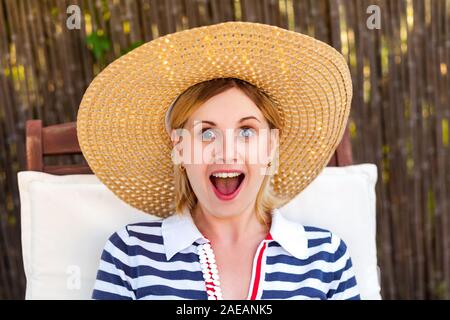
x: 226, y: 148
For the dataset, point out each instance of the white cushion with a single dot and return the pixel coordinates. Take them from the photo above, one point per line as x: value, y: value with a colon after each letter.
x: 342, y: 200
x: 66, y: 221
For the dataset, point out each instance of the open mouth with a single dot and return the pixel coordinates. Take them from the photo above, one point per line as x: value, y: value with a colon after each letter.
x: 226, y: 185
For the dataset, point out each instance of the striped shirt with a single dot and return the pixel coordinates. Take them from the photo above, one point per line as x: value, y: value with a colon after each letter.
x: 160, y: 260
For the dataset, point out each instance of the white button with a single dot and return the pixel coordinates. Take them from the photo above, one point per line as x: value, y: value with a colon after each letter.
x: 207, y: 277
x: 215, y: 276
x: 214, y: 271
x: 213, y: 268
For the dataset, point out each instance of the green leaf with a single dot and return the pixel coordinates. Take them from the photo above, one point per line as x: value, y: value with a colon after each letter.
x: 99, y: 44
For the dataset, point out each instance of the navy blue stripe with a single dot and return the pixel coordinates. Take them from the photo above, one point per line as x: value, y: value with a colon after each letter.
x: 273, y: 244
x: 323, y: 276
x: 318, y: 242
x: 350, y: 283
x: 159, y: 290
x: 316, y: 229
x: 143, y: 270
x: 145, y: 224
x: 114, y: 279
x: 135, y: 250
x: 282, y: 294
x: 103, y: 295
x: 348, y: 265
x: 150, y: 238
x: 319, y: 256
x: 311, y: 242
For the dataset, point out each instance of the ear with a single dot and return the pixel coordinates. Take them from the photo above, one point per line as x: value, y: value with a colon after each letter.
x: 274, y: 143
x: 175, y: 137
x: 274, y: 148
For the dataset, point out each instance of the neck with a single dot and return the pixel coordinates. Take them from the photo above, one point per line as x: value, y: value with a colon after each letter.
x: 229, y: 230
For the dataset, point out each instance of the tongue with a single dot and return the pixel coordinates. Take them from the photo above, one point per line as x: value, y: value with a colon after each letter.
x: 226, y: 185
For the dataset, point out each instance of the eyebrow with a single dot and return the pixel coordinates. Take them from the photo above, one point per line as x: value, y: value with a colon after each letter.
x: 214, y: 124
x: 248, y: 118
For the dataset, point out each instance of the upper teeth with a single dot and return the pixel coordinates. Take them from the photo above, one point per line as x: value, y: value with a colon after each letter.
x: 226, y: 174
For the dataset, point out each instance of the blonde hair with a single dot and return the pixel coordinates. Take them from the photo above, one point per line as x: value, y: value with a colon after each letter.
x: 187, y: 103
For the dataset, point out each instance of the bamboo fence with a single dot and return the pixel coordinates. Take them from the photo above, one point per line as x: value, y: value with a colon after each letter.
x: 399, y: 119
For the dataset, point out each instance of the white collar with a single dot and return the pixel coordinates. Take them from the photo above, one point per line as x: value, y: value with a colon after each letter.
x: 180, y: 231
x: 290, y: 235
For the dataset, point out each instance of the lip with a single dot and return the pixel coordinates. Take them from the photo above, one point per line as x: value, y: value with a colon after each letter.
x: 230, y: 196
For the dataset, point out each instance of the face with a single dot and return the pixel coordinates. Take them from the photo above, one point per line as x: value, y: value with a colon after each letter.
x: 226, y: 147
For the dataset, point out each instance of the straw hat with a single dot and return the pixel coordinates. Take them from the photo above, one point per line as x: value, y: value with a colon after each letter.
x: 121, y: 119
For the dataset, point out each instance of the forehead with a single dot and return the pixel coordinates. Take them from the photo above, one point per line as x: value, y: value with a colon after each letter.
x: 228, y: 106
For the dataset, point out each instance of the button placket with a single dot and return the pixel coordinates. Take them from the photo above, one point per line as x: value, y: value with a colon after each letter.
x: 210, y: 271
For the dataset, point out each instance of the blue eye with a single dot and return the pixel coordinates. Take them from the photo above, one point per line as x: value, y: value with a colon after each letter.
x: 208, y: 135
x: 247, y: 132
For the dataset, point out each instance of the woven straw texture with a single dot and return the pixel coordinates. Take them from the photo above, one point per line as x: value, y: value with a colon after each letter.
x: 121, y: 119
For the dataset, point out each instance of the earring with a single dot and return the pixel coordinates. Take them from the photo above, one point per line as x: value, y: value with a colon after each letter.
x: 182, y: 168
x: 269, y: 164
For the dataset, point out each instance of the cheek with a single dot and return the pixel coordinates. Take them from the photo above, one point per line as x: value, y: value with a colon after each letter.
x: 199, y: 152
x: 196, y: 175
x: 256, y: 178
x: 257, y: 152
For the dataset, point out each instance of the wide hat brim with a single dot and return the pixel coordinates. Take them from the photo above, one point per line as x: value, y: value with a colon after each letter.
x: 121, y: 119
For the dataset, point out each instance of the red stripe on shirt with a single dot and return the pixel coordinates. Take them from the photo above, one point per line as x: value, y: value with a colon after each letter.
x: 258, y: 268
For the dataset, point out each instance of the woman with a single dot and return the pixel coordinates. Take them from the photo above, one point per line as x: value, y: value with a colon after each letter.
x: 213, y: 129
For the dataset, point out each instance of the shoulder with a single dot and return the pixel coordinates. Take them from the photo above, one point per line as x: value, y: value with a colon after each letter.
x: 321, y: 240
x: 135, y: 234
x: 142, y: 230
